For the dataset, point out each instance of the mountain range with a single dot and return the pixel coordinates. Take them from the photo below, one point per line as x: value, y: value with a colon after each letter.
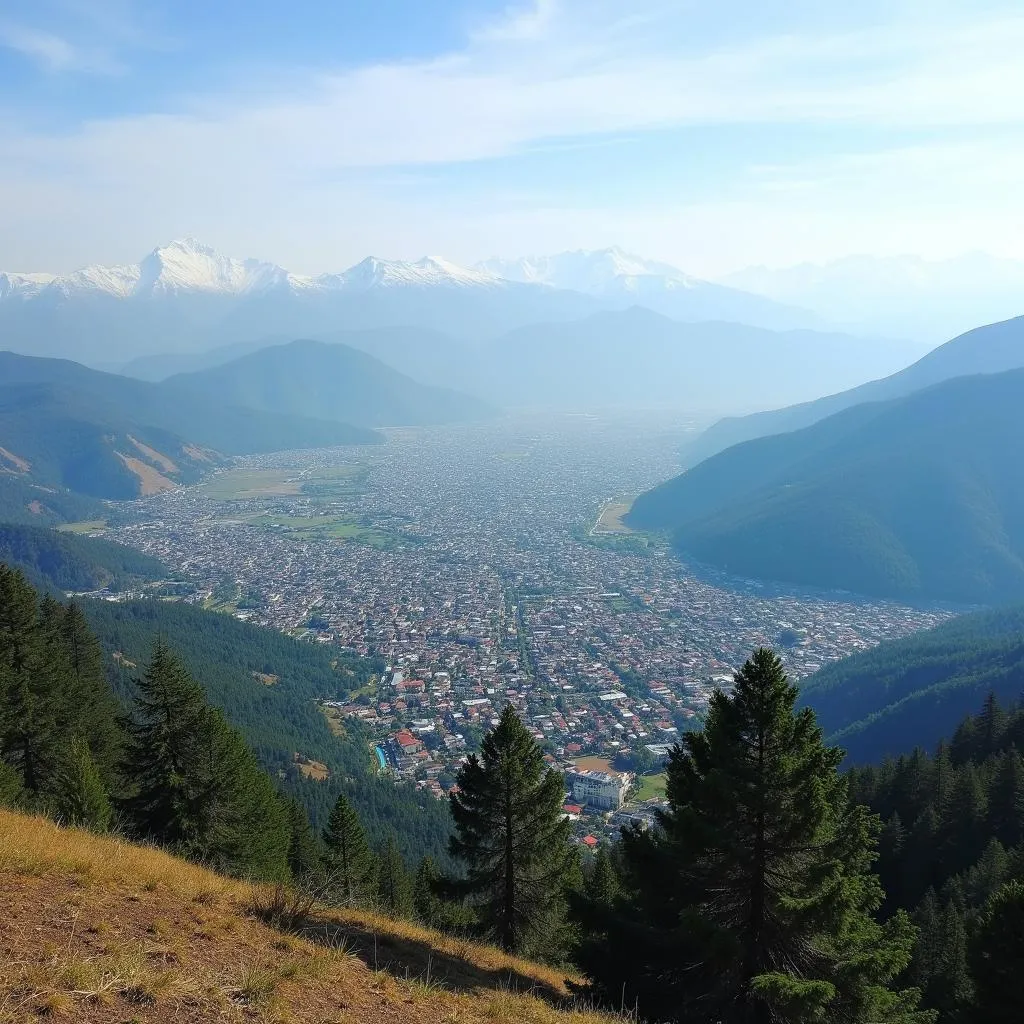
x: 988, y: 349
x: 622, y: 279
x: 917, y: 497
x: 186, y: 297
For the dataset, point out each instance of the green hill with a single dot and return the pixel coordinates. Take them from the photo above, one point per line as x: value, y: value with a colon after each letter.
x: 69, y: 428
x: 330, y: 382
x: 914, y: 691
x: 989, y: 349
x: 267, y: 684
x: 917, y: 498
x: 64, y: 562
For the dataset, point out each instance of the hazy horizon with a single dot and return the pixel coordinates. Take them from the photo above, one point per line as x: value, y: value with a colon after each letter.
x: 711, y: 139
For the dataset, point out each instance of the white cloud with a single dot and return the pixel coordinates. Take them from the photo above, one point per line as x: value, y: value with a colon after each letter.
x: 53, y: 52
x: 300, y: 163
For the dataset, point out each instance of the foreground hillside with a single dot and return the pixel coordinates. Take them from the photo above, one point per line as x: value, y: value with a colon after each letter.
x: 99, y: 931
x: 989, y: 349
x: 919, y: 497
x: 912, y: 692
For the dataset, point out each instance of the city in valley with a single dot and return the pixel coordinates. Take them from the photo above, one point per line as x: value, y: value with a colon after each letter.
x: 489, y: 564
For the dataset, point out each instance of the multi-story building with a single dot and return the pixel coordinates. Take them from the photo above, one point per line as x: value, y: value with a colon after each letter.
x: 603, y: 790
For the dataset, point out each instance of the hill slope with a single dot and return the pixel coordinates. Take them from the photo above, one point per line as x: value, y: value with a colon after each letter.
x: 914, y: 691
x: 990, y: 349
x: 63, y: 425
x: 232, y: 660
x: 915, y: 498
x: 329, y: 382
x: 64, y: 562
x: 97, y: 930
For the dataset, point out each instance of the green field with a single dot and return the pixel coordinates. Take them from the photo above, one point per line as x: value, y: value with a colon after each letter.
x: 329, y: 528
x: 236, y: 484
x: 242, y: 484
x: 85, y: 526
x: 651, y: 787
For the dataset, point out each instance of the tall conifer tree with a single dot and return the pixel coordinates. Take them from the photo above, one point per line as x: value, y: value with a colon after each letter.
x: 349, y: 859
x: 81, y: 798
x: 198, y: 787
x: 511, y: 835
x: 30, y: 736
x: 996, y: 955
x: 394, y: 886
x: 753, y: 901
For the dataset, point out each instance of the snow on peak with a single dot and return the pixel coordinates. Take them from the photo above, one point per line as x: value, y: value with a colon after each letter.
x: 188, y: 265
x: 430, y: 271
x: 593, y: 271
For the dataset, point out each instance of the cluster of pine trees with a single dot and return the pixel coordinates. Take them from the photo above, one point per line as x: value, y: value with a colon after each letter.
x: 952, y: 853
x: 169, y: 769
x: 774, y: 890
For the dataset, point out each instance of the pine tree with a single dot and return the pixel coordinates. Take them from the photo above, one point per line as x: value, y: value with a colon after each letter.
x: 394, y: 887
x: 88, y: 693
x: 996, y: 954
x: 1006, y: 799
x: 753, y: 901
x: 244, y: 826
x: 602, y: 882
x: 510, y: 834
x: 426, y: 902
x: 197, y: 785
x: 349, y: 859
x: 30, y: 738
x: 164, y: 749
x: 304, y: 857
x: 81, y: 798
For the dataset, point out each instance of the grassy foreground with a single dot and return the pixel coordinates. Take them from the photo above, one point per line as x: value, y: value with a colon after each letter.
x: 100, y: 931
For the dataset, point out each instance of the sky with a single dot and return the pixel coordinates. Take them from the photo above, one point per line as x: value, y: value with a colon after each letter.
x: 712, y: 135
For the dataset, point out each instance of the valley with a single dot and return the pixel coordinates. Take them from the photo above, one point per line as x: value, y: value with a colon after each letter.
x: 479, y: 579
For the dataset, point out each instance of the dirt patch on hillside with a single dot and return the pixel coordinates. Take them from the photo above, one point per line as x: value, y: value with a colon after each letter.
x: 154, y: 456
x: 150, y: 481
x: 10, y: 461
x: 266, y: 678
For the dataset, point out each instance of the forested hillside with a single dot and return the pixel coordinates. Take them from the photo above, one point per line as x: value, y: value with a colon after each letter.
x: 917, y: 498
x: 65, y: 562
x: 914, y: 691
x: 989, y: 349
x: 267, y: 683
x: 953, y: 835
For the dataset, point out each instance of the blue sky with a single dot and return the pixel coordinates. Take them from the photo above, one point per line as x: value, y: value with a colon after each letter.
x: 712, y: 135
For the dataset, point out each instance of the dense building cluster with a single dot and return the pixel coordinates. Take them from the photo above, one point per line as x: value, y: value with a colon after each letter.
x: 487, y: 582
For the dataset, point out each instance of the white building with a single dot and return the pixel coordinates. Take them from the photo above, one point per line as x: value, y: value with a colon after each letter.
x: 603, y: 790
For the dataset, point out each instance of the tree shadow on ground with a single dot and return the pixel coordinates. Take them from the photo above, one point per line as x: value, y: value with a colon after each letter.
x: 411, y: 957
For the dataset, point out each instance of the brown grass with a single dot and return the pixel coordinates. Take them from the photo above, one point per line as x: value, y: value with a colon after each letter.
x: 99, y: 931
x: 166, y: 464
x: 150, y: 481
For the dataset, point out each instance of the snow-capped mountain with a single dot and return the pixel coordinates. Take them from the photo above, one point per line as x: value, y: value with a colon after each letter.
x: 622, y: 279
x: 429, y: 272
x: 187, y: 265
x: 593, y: 272
x: 187, y: 297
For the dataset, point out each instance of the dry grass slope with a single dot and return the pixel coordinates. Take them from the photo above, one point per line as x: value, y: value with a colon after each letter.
x: 99, y: 931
